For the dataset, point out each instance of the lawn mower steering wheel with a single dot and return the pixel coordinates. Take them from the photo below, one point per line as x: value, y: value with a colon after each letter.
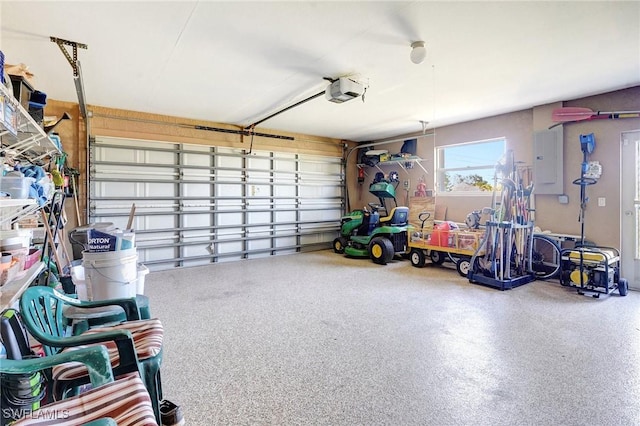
x: 374, y: 207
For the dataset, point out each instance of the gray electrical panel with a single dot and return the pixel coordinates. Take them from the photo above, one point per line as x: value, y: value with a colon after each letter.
x: 548, y: 161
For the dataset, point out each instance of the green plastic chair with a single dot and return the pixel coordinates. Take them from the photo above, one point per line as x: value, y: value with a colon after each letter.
x: 86, y: 315
x: 42, y: 312
x: 94, y: 358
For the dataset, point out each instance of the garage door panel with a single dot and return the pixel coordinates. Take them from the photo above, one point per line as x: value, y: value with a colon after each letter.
x: 195, y: 189
x: 225, y: 219
x: 284, y: 191
x: 285, y: 216
x: 258, y: 218
x: 133, y: 189
x: 201, y: 234
x: 202, y: 160
x: 228, y: 161
x: 196, y: 220
x: 196, y: 262
x: 259, y: 245
x: 196, y: 250
x: 228, y: 190
x: 155, y: 157
x: 133, y: 174
x: 312, y: 215
x: 150, y: 255
x: 197, y: 176
x: 289, y: 241
x: 162, y: 221
x: 229, y: 247
x: 125, y: 155
x: 198, y: 204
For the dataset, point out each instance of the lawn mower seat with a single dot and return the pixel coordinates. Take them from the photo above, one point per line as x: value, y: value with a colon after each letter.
x: 399, y: 217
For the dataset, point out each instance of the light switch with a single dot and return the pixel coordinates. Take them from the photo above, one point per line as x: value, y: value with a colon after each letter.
x: 602, y: 201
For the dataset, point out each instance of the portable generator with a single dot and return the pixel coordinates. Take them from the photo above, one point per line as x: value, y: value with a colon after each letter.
x: 592, y: 269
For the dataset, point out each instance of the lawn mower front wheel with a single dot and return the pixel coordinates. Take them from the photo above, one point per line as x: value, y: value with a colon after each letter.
x: 339, y: 244
x: 381, y: 250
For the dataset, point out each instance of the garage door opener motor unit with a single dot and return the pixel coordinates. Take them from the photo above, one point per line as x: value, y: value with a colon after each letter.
x: 343, y: 89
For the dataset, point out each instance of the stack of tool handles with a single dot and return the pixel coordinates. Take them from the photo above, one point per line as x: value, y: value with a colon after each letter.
x: 503, y: 258
x: 56, y: 270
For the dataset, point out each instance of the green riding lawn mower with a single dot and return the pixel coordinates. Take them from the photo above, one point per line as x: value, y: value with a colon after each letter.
x: 365, y: 233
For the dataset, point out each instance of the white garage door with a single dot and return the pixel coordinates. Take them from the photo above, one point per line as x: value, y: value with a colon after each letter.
x: 198, y: 204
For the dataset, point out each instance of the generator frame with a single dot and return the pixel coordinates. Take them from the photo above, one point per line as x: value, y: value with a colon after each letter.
x: 594, y: 270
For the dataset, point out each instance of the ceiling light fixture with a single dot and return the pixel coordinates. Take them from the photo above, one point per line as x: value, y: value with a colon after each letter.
x: 418, y: 52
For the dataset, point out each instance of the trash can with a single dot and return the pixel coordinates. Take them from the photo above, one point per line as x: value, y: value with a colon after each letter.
x: 78, y: 236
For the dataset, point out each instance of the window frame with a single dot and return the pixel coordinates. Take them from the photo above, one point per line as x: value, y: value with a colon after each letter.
x: 441, y: 171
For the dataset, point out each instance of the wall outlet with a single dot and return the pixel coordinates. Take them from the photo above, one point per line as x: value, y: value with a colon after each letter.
x: 563, y: 199
x: 602, y: 201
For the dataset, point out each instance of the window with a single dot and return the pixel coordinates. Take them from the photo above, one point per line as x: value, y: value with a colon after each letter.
x: 468, y: 167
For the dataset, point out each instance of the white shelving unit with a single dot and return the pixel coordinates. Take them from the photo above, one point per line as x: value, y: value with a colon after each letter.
x: 10, y: 292
x: 400, y: 162
x: 12, y: 210
x: 21, y: 138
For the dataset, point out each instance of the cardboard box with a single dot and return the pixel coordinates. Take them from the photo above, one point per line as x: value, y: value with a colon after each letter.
x: 468, y: 240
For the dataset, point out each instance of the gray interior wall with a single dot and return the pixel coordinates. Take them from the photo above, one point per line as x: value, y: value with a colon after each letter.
x: 602, y: 224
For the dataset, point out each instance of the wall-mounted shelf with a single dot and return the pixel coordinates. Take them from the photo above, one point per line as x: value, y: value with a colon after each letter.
x: 12, y: 210
x: 10, y: 292
x: 401, y: 162
x: 25, y: 141
x: 20, y: 134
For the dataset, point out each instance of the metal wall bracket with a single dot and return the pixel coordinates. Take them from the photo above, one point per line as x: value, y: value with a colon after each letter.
x: 73, y: 61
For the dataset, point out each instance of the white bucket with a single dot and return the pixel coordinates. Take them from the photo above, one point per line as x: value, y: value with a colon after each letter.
x: 142, y: 271
x: 110, y: 274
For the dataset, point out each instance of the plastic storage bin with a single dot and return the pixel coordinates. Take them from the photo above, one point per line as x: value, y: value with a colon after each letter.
x: 32, y: 257
x: 15, y: 186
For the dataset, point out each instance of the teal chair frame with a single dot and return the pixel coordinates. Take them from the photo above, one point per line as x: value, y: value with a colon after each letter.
x: 95, y: 358
x: 42, y: 312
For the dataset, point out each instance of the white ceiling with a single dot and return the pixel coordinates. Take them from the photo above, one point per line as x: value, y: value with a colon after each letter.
x: 238, y: 62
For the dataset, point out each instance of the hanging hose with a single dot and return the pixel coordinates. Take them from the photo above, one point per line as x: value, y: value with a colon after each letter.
x: 21, y: 390
x: 20, y: 393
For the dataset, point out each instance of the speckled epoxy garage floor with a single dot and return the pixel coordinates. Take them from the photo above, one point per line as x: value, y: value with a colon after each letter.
x: 321, y: 339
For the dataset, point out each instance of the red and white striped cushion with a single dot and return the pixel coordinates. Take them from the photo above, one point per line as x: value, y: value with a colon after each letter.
x: 147, y: 339
x: 125, y: 400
